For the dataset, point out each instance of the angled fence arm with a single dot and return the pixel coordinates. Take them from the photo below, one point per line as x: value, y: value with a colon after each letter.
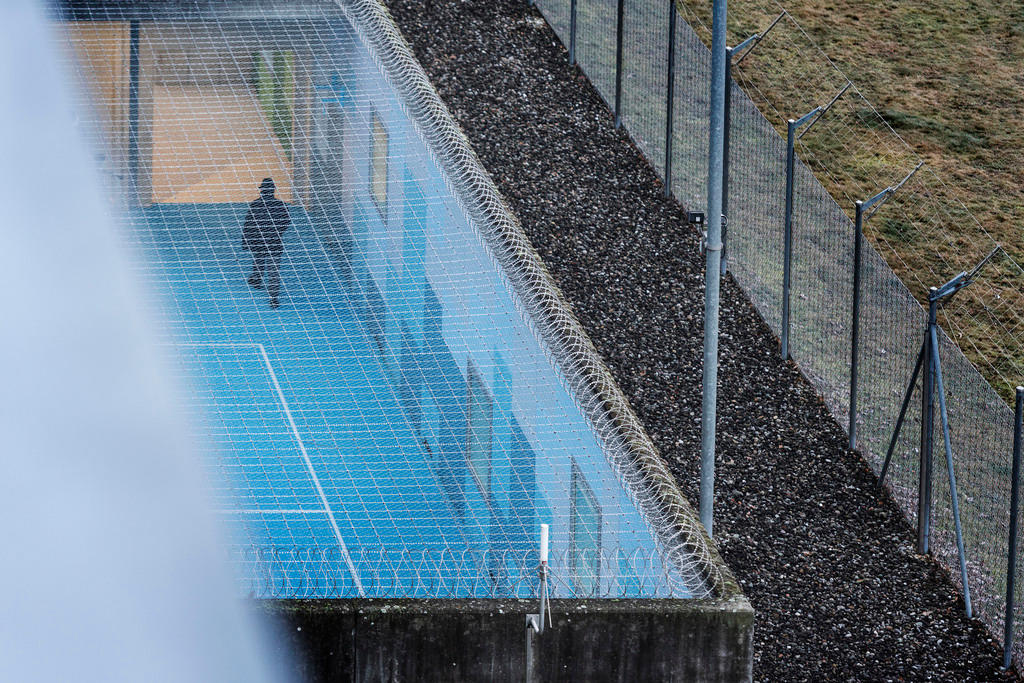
x: 882, y: 197
x: 757, y: 38
x: 824, y: 110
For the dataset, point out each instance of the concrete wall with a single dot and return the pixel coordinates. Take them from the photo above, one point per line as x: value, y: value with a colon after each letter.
x: 486, y: 640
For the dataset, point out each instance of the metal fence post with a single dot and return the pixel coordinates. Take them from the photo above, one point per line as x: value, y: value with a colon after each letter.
x: 572, y: 32
x: 670, y: 96
x: 725, y: 160
x: 620, y: 15
x: 924, y: 484
x: 712, y: 276
x: 133, y: 111
x: 1011, y: 552
x: 787, y: 235
x: 858, y: 237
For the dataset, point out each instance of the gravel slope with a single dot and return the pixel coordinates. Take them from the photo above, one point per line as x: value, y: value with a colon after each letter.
x: 828, y: 564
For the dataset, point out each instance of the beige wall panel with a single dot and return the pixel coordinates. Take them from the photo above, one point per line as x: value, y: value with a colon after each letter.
x: 101, y: 51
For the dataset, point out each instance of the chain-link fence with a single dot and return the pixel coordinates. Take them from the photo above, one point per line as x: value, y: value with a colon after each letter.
x: 299, y: 572
x: 921, y: 237
x: 376, y: 355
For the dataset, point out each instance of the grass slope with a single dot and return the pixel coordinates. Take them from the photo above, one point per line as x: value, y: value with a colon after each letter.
x: 947, y: 78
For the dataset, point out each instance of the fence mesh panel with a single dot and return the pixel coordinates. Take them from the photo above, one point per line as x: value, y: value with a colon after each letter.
x: 557, y: 13
x: 595, y: 44
x: 399, y: 396
x: 919, y: 237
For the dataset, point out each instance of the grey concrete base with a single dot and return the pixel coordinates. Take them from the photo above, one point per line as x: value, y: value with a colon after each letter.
x: 486, y: 640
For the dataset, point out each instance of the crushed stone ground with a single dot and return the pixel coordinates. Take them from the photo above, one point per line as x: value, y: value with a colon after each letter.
x: 827, y: 561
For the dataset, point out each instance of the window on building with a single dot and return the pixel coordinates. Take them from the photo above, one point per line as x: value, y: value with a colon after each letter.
x: 480, y: 408
x: 585, y: 530
x: 379, y: 165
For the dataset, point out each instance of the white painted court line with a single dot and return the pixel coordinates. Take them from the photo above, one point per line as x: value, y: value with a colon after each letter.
x: 302, y: 448
x: 270, y: 511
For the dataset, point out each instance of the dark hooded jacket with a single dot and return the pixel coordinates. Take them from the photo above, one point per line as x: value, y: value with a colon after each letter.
x: 265, y: 223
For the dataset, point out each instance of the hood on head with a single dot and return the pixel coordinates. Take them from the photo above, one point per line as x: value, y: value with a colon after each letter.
x: 267, y: 187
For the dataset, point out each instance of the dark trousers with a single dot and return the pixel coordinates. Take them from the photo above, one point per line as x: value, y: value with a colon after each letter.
x: 266, y: 271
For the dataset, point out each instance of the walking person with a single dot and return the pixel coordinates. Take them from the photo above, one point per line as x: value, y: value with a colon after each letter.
x: 261, y: 235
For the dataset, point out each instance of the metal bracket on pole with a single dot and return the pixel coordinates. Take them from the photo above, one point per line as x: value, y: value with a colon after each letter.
x: 882, y: 197
x: 787, y: 233
x: 824, y: 110
x: 757, y: 38
x: 746, y: 43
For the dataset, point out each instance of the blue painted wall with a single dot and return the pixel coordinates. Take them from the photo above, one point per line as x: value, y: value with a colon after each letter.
x: 443, y: 313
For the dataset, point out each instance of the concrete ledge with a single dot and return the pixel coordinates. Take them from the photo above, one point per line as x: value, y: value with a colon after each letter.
x: 486, y: 640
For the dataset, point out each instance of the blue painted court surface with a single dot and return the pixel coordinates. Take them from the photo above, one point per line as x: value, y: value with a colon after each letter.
x: 312, y: 445
x: 397, y: 427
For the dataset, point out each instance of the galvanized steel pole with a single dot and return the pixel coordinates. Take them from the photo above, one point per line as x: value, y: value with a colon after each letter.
x: 725, y: 159
x: 1011, y: 552
x: 670, y: 95
x: 712, y: 277
x: 572, y: 32
x: 924, y: 483
x: 858, y: 238
x: 787, y: 235
x: 620, y: 16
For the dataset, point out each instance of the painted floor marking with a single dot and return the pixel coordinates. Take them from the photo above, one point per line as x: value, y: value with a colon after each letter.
x: 302, y: 448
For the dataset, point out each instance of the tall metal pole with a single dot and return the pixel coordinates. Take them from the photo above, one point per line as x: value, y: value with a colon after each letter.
x: 572, y: 32
x: 725, y: 159
x: 669, y: 105
x: 858, y: 238
x: 924, y: 484
x: 1011, y: 552
x: 712, y: 268
x: 787, y: 235
x: 133, y: 111
x: 620, y: 15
